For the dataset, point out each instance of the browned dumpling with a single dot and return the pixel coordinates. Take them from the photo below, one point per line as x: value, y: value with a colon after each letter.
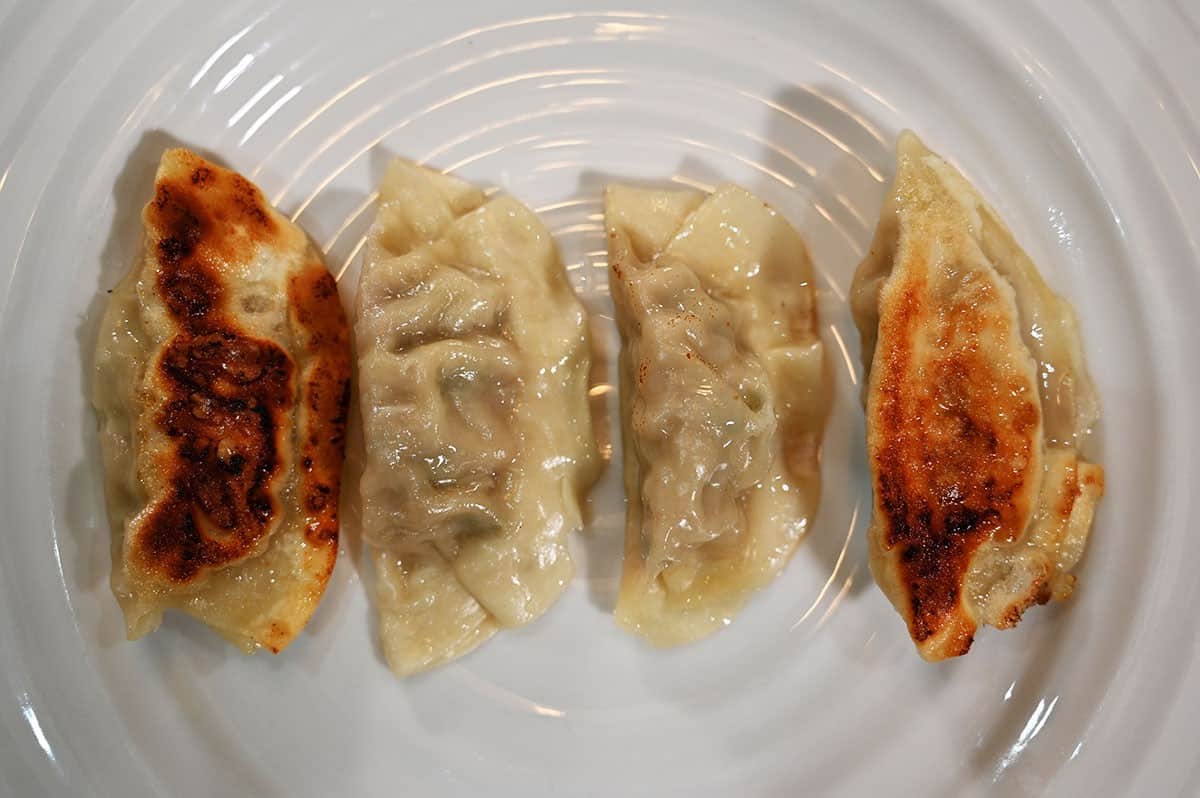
x: 722, y: 400
x: 222, y: 386
x: 979, y: 409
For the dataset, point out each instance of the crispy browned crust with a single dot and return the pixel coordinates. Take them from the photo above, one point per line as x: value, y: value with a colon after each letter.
x: 978, y: 514
x: 956, y: 453
x: 229, y: 395
x: 325, y: 393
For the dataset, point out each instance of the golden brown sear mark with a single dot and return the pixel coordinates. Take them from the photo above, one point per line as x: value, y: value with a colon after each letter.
x: 319, y: 316
x: 277, y: 637
x: 228, y: 394
x: 954, y: 471
x: 229, y: 397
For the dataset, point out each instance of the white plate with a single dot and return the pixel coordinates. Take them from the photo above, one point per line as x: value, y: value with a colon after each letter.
x: 1077, y: 120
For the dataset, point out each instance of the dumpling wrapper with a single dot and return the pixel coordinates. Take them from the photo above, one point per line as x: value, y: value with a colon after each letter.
x: 978, y: 405
x: 473, y: 367
x: 723, y: 398
x: 222, y: 385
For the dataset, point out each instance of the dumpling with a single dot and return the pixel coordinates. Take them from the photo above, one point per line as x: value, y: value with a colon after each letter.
x: 222, y: 385
x: 979, y: 407
x: 473, y: 367
x: 722, y: 402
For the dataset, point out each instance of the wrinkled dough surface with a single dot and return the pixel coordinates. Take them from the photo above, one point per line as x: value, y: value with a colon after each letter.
x: 722, y: 402
x: 473, y: 367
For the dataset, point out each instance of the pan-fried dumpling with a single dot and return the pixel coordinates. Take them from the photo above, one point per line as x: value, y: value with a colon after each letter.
x: 722, y: 402
x: 979, y: 406
x: 223, y: 380
x: 473, y: 368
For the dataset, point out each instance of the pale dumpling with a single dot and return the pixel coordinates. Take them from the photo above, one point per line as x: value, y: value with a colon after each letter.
x: 722, y: 402
x: 473, y: 366
x: 979, y: 410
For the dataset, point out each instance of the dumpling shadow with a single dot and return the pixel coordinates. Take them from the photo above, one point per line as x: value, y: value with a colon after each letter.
x: 691, y: 174
x: 206, y: 650
x: 839, y: 184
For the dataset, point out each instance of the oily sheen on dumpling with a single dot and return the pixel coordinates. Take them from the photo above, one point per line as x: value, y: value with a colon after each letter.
x: 979, y: 409
x: 722, y: 399
x: 222, y: 385
x: 473, y: 367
